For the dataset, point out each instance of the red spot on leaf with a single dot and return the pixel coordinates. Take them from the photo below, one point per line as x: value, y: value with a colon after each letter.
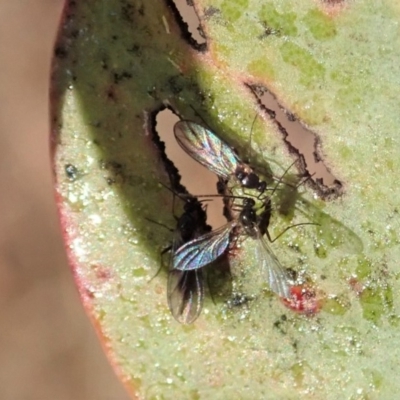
x: 303, y: 300
x: 334, y: 7
x: 102, y: 273
x: 89, y: 293
x: 356, y: 285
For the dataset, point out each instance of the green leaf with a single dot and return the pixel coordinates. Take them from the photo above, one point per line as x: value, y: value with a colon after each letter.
x: 333, y: 66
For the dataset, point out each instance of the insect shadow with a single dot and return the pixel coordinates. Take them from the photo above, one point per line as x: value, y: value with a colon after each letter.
x: 330, y: 233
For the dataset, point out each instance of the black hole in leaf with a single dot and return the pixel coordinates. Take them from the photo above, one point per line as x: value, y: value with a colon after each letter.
x: 186, y: 175
x: 189, y: 23
x: 172, y: 171
x: 300, y: 141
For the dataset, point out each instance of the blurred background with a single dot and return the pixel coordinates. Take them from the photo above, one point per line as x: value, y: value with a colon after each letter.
x: 48, y: 349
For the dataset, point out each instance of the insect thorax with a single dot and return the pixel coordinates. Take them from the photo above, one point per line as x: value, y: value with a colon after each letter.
x: 248, y: 221
x: 249, y: 179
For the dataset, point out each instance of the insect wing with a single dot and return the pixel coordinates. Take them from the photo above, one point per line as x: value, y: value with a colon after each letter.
x: 271, y: 269
x: 203, y: 250
x: 206, y: 148
x: 185, y: 294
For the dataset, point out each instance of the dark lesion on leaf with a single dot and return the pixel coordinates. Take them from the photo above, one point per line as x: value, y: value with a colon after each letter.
x: 135, y: 49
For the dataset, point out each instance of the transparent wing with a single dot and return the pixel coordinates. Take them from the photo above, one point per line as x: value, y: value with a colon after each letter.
x: 271, y: 269
x: 203, y: 250
x: 206, y: 148
x: 185, y: 293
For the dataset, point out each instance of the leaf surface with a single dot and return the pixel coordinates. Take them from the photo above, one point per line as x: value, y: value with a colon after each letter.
x: 333, y: 65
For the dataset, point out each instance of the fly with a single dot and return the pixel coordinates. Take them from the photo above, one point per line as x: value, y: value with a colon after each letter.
x: 185, y: 289
x: 211, y: 152
x: 204, y: 249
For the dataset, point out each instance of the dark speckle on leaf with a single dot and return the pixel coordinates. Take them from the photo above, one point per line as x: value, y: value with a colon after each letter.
x: 279, y: 324
x: 104, y: 64
x: 268, y: 31
x: 292, y: 273
x: 116, y: 171
x: 120, y: 76
x: 71, y: 171
x: 239, y: 300
x: 152, y: 92
x: 111, y: 165
x: 111, y: 94
x: 175, y: 84
x: 134, y: 49
x: 291, y: 117
x: 60, y: 52
x: 128, y: 12
x: 210, y: 11
x: 74, y: 33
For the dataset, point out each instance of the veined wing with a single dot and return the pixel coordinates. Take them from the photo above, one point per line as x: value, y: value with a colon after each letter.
x: 271, y: 269
x: 185, y: 292
x: 203, y: 250
x: 206, y: 148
